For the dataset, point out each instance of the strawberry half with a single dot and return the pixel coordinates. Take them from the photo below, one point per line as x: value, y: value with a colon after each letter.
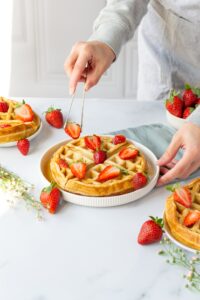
x: 5, y: 125
x: 139, y: 181
x: 108, y: 173
x: 4, y: 106
x: 118, y: 139
x: 174, y: 104
x: 93, y: 142
x: 50, y: 198
x: 191, y: 218
x: 73, y: 130
x: 183, y: 196
x: 23, y: 146
x: 78, y: 169
x: 151, y: 231
x: 24, y: 112
x: 62, y: 163
x: 54, y: 117
x: 128, y: 153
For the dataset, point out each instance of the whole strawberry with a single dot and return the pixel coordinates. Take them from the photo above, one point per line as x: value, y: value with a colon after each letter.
x: 50, y: 197
x: 139, y: 181
x: 23, y: 146
x: 54, y: 117
x: 189, y: 96
x: 174, y: 104
x: 187, y: 111
x: 99, y: 157
x: 151, y: 231
x: 4, y: 106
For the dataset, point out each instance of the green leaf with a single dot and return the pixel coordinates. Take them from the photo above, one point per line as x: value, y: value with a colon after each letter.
x: 173, y: 187
x: 187, y: 86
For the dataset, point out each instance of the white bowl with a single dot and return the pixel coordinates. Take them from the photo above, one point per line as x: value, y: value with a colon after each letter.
x: 175, y: 121
x: 106, y: 200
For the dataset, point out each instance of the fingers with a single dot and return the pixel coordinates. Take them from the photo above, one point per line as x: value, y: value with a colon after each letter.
x: 171, y: 151
x: 93, y: 77
x: 180, y: 170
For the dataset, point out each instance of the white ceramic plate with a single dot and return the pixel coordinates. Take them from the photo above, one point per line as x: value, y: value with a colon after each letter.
x: 11, y: 144
x: 170, y: 236
x: 107, y: 200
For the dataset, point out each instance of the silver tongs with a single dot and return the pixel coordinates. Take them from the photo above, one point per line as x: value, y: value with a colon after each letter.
x: 83, y: 103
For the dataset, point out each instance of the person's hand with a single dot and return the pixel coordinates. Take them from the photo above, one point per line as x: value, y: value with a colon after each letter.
x: 97, y: 56
x: 188, y: 138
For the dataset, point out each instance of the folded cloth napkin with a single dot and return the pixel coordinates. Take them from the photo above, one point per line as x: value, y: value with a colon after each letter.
x: 156, y: 137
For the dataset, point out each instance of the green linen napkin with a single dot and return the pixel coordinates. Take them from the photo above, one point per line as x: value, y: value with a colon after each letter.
x: 156, y: 137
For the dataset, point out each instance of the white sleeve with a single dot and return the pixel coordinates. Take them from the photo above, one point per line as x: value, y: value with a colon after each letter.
x: 117, y: 22
x: 195, y: 116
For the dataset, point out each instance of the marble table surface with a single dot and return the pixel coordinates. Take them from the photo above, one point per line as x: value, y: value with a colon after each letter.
x: 84, y: 253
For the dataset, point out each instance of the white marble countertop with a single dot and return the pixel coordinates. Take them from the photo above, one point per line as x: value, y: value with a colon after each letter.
x: 84, y: 253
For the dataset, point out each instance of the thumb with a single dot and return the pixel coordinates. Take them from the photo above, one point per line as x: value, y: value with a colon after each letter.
x: 171, y: 151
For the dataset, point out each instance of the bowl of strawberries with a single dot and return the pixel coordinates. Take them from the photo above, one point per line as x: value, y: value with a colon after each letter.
x: 180, y: 105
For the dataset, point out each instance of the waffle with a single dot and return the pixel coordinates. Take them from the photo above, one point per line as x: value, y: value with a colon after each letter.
x: 175, y: 214
x: 16, y: 129
x: 76, y: 150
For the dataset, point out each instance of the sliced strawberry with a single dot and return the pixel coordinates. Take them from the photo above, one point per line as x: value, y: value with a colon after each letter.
x: 73, y: 130
x: 4, y: 106
x: 5, y: 125
x: 139, y: 181
x: 183, y: 196
x: 191, y: 218
x: 78, y: 169
x: 23, y: 146
x: 93, y: 142
x: 62, y: 163
x: 99, y: 157
x: 108, y: 173
x: 118, y: 139
x: 24, y: 112
x: 128, y: 153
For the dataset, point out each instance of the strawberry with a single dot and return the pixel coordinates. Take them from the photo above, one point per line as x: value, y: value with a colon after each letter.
x: 93, y: 142
x: 198, y: 101
x: 139, y: 181
x: 118, y: 139
x: 4, y: 106
x: 191, y: 218
x: 174, y: 104
x: 78, y: 169
x: 189, y: 96
x: 62, y: 163
x: 73, y: 130
x: 183, y: 196
x: 187, y: 111
x: 24, y: 112
x: 50, y: 198
x: 128, y: 153
x: 5, y: 125
x: 54, y: 117
x: 99, y: 157
x: 151, y: 231
x: 23, y: 146
x: 108, y: 172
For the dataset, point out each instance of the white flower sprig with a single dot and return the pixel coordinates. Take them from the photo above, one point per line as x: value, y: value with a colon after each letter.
x: 14, y: 188
x: 177, y: 256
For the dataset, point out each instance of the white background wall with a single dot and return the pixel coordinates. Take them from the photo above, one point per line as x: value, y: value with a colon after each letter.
x: 43, y: 34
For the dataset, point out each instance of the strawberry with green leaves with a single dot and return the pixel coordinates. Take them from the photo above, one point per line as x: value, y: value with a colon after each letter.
x: 23, y: 146
x: 50, y: 197
x: 190, y: 95
x: 174, y: 104
x: 54, y: 117
x: 151, y: 231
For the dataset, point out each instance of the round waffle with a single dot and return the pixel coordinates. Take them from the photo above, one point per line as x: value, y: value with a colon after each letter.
x: 12, y: 129
x: 175, y: 213
x: 75, y: 151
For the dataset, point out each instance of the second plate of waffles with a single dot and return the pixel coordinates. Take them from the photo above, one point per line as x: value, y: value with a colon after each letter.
x: 107, y: 183
x: 17, y: 121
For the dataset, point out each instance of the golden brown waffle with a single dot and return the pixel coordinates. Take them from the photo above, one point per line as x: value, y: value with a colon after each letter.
x: 18, y: 129
x: 175, y: 214
x: 76, y: 150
